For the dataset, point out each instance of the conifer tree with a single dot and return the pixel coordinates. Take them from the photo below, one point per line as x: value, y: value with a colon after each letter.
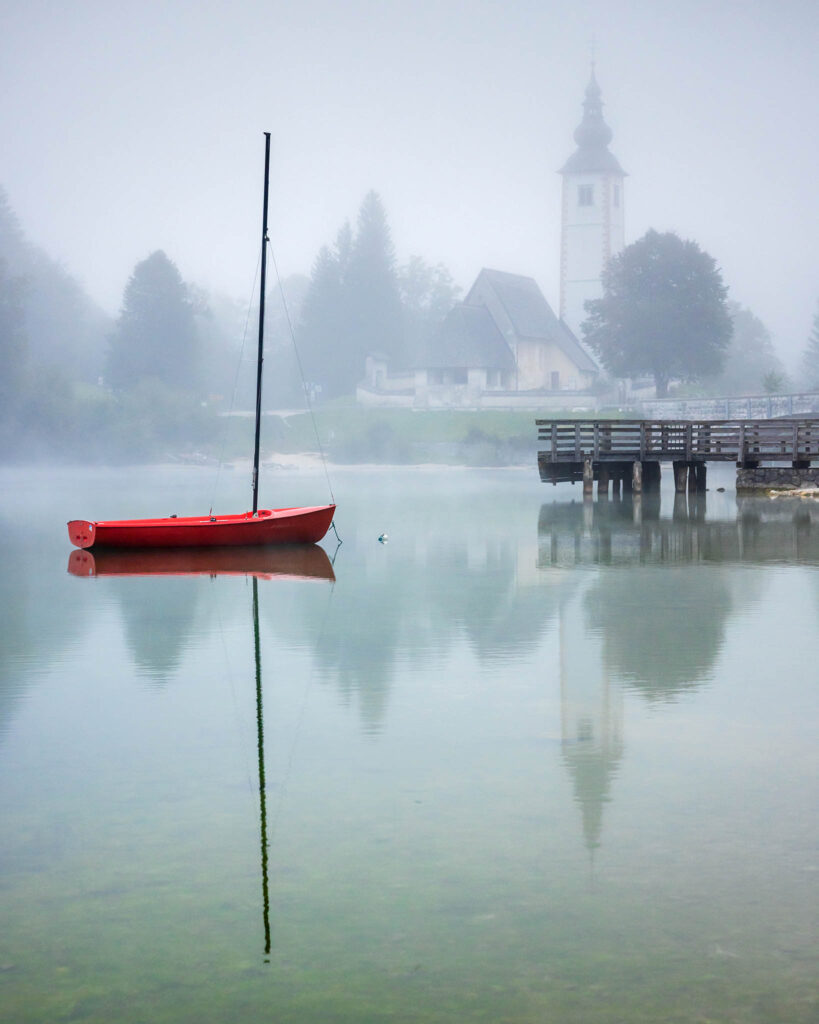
x: 13, y: 347
x: 374, y: 301
x: 155, y: 334
x: 323, y: 333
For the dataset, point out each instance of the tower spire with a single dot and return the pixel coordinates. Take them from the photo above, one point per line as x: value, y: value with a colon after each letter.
x: 592, y: 218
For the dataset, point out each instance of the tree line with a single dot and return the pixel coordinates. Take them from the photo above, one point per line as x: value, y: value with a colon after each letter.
x: 76, y: 381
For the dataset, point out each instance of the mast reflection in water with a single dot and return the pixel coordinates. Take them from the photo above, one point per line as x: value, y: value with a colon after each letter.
x: 297, y: 561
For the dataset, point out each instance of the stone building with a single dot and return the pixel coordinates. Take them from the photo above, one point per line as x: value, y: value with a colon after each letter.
x: 503, y: 346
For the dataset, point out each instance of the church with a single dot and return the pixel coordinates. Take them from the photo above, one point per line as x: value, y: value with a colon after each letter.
x: 503, y: 346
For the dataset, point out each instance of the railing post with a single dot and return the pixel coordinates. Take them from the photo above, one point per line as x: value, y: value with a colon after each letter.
x: 642, y: 440
x: 741, y: 452
x: 554, y: 441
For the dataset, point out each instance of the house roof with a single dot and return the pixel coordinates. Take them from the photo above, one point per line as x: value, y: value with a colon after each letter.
x: 531, y: 316
x: 468, y: 337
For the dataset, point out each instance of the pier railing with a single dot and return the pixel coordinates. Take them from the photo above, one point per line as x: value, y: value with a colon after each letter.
x: 747, y: 442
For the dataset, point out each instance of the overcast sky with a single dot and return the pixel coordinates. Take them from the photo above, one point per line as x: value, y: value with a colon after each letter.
x: 133, y: 126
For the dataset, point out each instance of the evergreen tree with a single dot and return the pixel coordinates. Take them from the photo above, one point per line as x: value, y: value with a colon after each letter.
x: 64, y: 328
x: 155, y: 335
x: 810, y: 357
x: 13, y: 348
x: 372, y: 295
x: 663, y: 312
x: 324, y: 322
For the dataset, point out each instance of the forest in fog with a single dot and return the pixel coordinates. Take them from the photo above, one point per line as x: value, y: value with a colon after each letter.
x: 152, y: 381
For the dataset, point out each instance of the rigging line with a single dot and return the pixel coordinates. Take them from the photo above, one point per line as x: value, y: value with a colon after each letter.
x: 301, y: 372
x: 239, y: 362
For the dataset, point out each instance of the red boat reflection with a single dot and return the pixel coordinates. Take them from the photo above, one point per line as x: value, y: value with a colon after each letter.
x: 295, y: 562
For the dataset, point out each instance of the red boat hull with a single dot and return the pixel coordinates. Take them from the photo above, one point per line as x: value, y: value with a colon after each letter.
x: 268, y: 526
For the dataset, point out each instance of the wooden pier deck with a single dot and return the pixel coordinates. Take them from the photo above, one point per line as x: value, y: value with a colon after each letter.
x: 631, y: 451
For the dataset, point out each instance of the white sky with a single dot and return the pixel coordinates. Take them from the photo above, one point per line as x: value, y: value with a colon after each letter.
x: 131, y: 126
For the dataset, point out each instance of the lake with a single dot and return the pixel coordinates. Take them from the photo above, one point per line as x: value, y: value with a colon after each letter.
x: 525, y: 760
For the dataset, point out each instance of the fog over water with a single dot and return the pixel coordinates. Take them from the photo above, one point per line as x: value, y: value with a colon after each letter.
x: 137, y: 126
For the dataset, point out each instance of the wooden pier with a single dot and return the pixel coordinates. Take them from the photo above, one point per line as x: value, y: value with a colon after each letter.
x: 630, y: 452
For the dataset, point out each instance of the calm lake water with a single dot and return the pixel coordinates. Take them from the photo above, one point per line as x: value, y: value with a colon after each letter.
x: 524, y: 762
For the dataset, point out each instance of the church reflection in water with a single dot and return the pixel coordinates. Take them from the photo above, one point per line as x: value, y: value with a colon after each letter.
x: 641, y: 630
x: 591, y: 716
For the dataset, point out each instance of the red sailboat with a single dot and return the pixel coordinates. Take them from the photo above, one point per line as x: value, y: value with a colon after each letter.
x: 260, y: 526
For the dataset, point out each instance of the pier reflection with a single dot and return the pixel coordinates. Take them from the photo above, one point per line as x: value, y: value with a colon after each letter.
x: 652, y: 632
x: 633, y: 532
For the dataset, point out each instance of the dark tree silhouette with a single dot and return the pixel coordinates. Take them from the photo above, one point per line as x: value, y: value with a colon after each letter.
x: 13, y: 349
x: 663, y: 312
x: 324, y: 323
x: 64, y: 327
x: 155, y: 335
x: 373, y: 298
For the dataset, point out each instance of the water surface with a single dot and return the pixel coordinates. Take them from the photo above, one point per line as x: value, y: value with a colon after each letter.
x: 528, y: 760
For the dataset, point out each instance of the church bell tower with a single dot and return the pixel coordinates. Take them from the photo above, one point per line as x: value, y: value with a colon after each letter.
x: 592, y: 214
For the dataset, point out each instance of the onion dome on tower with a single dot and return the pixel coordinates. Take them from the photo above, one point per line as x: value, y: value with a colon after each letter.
x: 592, y: 136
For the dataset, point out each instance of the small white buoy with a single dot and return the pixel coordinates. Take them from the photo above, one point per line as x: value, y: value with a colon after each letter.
x: 383, y: 538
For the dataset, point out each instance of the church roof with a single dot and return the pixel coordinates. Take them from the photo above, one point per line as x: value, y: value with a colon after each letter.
x: 530, y: 314
x: 469, y: 337
x: 592, y: 136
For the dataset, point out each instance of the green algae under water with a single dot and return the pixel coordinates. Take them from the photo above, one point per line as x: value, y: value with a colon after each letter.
x: 525, y: 762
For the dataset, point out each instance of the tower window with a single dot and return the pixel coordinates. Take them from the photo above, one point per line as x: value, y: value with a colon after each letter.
x: 585, y: 195
x: 616, y: 196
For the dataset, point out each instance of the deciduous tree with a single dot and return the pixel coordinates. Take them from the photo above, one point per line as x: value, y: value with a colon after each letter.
x: 663, y: 312
x: 427, y: 293
x: 750, y: 357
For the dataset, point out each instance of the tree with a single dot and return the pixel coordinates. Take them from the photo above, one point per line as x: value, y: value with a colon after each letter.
x: 750, y: 358
x: 427, y: 294
x: 13, y: 345
x: 774, y: 382
x: 155, y: 335
x: 810, y: 357
x: 323, y: 334
x: 64, y: 327
x: 663, y: 312
x: 372, y: 296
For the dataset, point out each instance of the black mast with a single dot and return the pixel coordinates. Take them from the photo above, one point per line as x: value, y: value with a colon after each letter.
x: 260, y: 357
